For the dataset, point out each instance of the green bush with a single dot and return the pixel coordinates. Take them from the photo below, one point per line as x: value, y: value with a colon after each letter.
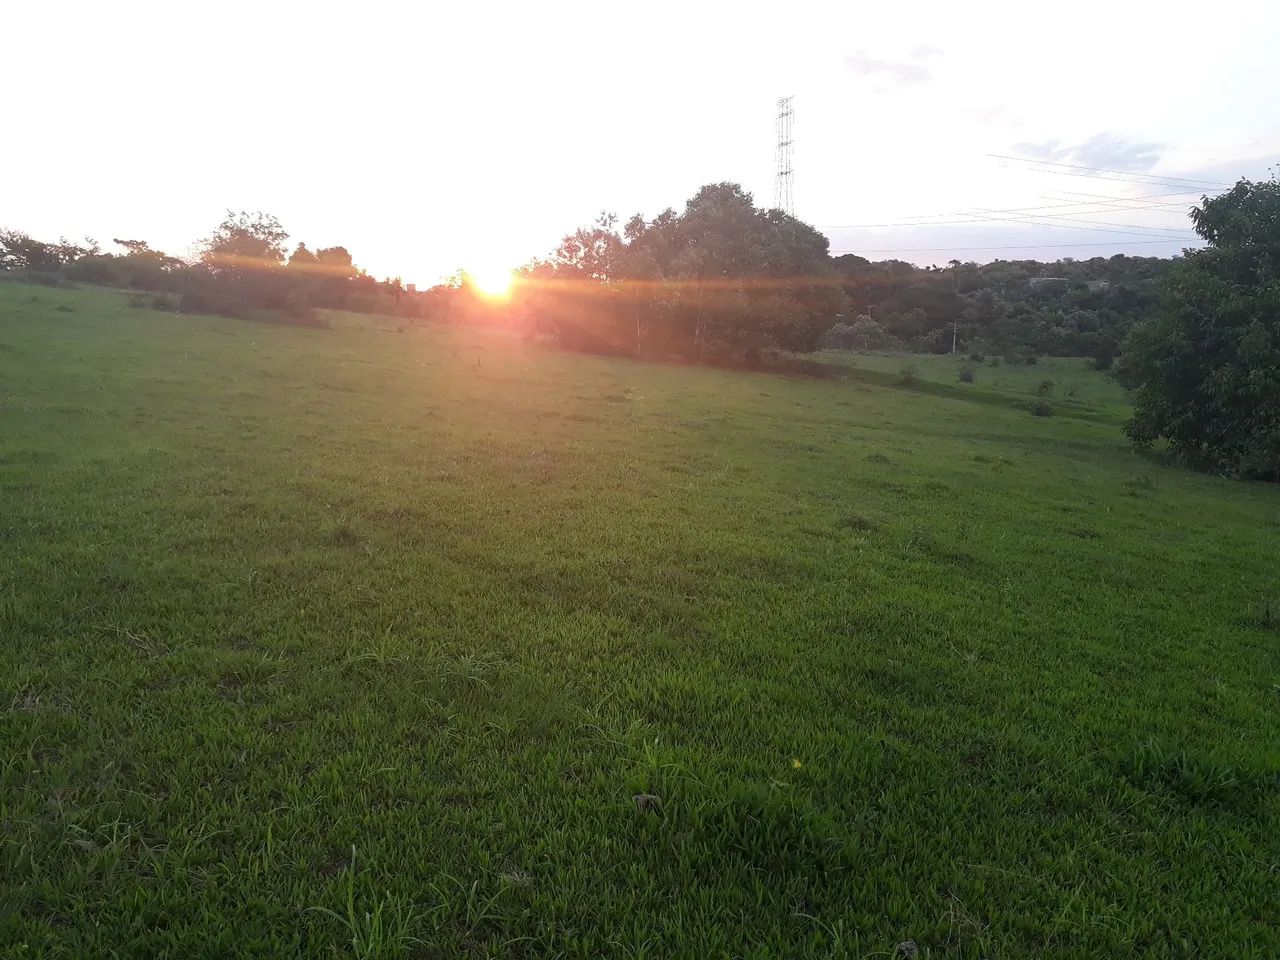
x: 1044, y: 388
x: 966, y: 375
x: 1205, y: 370
x: 1042, y: 408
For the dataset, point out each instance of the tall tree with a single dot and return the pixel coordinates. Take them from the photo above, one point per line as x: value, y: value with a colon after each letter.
x: 302, y: 258
x: 245, y: 242
x: 1206, y: 368
x: 720, y: 280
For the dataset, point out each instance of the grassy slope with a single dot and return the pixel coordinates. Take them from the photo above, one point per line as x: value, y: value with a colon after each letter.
x: 314, y: 642
x: 1075, y: 387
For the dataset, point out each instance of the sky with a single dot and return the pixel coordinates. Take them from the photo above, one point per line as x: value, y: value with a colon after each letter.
x: 427, y: 138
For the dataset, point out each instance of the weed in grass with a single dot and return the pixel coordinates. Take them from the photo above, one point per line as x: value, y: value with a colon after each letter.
x: 383, y: 931
x: 1196, y: 778
x: 1136, y: 485
x: 1042, y: 408
x: 856, y: 521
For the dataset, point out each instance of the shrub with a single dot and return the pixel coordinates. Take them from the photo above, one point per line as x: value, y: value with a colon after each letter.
x: 966, y: 375
x: 1042, y: 409
x: 1138, y: 486
x: 1045, y: 388
x: 1103, y: 360
x: 43, y: 278
x: 1031, y: 360
x: 910, y: 376
x: 168, y: 302
x: 977, y: 356
x: 297, y: 304
x: 993, y: 362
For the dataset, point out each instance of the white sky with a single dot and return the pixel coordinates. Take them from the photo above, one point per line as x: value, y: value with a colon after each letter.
x: 427, y: 137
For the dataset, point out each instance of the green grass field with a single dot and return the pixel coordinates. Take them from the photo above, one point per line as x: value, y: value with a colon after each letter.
x: 1067, y: 385
x: 354, y: 642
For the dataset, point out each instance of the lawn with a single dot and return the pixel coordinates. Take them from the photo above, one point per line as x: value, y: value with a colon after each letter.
x: 370, y: 642
x: 1067, y: 384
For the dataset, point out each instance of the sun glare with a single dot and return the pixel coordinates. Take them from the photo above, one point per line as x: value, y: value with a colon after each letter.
x: 494, y: 283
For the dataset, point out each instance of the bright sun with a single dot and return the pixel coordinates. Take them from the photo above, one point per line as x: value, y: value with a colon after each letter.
x: 492, y: 282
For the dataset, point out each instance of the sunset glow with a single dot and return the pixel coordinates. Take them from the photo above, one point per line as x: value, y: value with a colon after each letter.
x: 492, y: 282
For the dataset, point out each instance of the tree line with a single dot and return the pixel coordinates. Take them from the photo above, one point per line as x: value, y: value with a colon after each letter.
x: 242, y: 268
x: 726, y: 282
x: 1064, y: 308
x: 721, y: 281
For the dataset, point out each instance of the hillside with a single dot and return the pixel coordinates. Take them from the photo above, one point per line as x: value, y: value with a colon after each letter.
x: 382, y: 641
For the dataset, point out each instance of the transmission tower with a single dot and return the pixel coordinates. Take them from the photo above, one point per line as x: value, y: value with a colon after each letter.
x: 785, y: 177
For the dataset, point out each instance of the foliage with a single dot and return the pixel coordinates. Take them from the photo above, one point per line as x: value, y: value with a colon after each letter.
x: 269, y: 596
x: 719, y: 282
x: 240, y: 271
x: 1206, y: 368
x: 860, y: 333
x: 998, y: 306
x: 18, y: 252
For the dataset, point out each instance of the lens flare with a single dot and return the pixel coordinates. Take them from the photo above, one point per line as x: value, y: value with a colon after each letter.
x: 493, y: 283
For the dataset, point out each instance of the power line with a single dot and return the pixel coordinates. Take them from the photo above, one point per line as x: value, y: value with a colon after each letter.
x: 1154, y: 196
x: 1123, y: 179
x: 1021, y: 246
x: 1151, y: 183
x: 1133, y: 230
x: 1100, y: 223
x: 1108, y: 207
x: 1104, y: 169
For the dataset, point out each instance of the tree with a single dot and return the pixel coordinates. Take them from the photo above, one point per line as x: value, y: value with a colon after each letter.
x: 245, y: 242
x: 18, y: 251
x: 1206, y: 367
x: 336, y: 262
x: 302, y: 258
x: 719, y: 281
x: 240, y: 267
x: 145, y: 267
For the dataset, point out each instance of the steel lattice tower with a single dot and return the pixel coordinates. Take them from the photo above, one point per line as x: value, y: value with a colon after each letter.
x: 783, y: 183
